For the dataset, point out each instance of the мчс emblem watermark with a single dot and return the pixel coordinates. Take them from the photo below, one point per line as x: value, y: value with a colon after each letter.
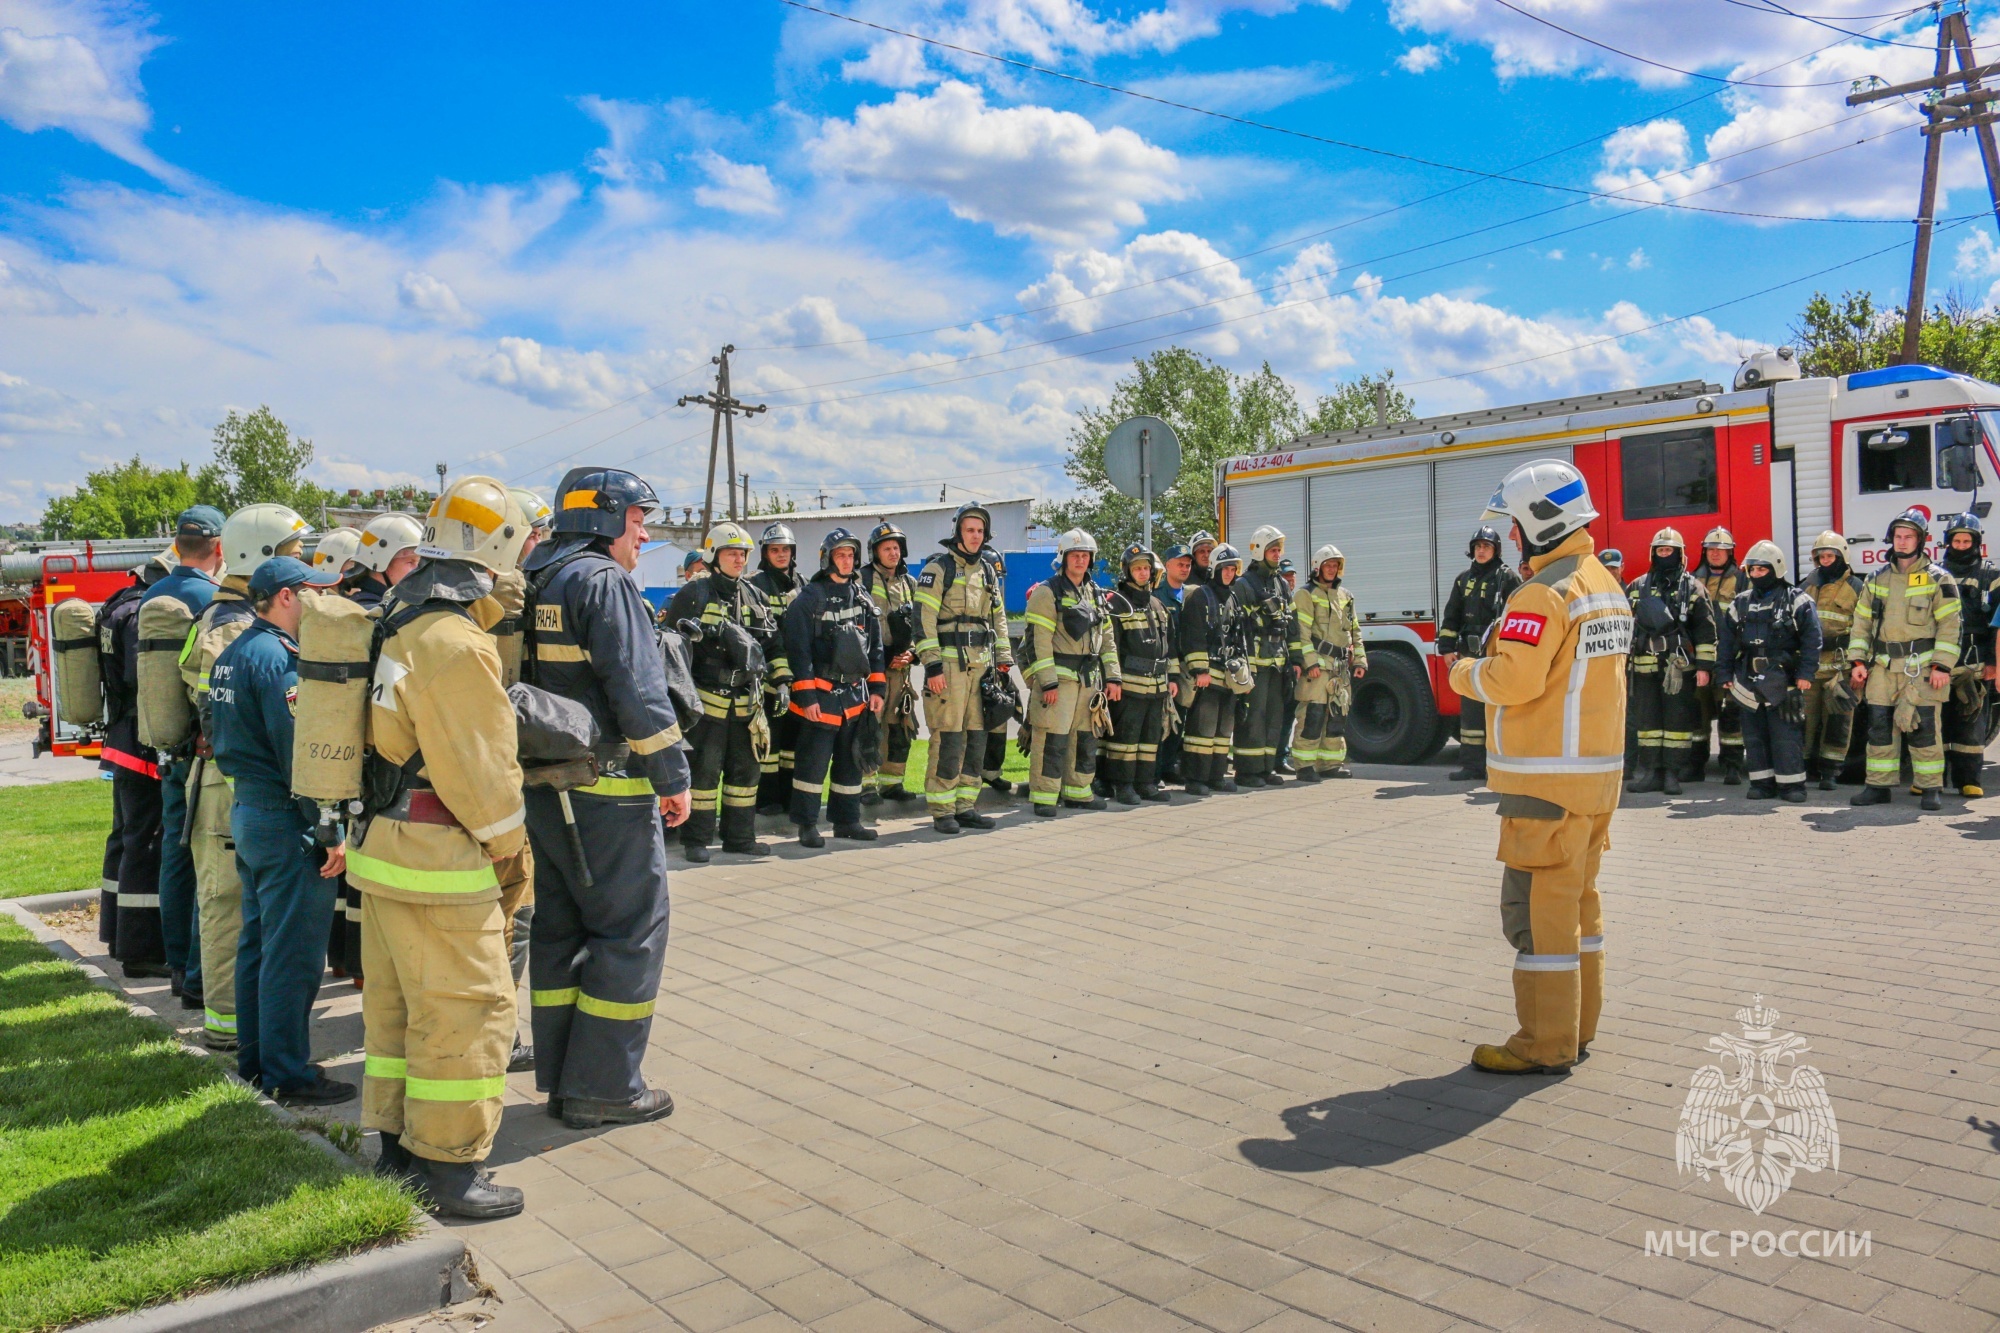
x: 1755, y: 1119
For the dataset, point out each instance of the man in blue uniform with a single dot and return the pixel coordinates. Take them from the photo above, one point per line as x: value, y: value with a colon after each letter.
x: 834, y: 643
x: 288, y: 879
x: 198, y: 551
x: 600, y: 932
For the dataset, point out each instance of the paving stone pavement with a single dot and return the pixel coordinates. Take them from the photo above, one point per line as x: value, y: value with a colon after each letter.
x: 1203, y: 1066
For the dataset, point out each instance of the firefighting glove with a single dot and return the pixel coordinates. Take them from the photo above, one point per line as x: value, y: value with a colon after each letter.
x: 1793, y: 709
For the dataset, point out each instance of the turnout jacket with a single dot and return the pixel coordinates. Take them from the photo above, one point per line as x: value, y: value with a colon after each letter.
x: 1721, y: 585
x: 1477, y: 595
x: 1553, y: 679
x: 711, y: 600
x: 1778, y: 627
x: 118, y: 661
x: 594, y: 643
x: 1978, y: 594
x: 894, y: 592
x: 960, y: 612
x: 438, y: 697
x: 834, y: 642
x: 1070, y: 634
x: 1905, y: 615
x: 1205, y: 616
x: 1329, y: 629
x: 1668, y: 616
x: 779, y: 587
x: 1834, y: 599
x: 1142, y: 629
x: 1261, y: 597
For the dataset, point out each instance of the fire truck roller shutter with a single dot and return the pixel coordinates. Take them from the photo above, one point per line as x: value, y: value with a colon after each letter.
x: 1462, y: 487
x: 1380, y: 517
x: 1280, y: 502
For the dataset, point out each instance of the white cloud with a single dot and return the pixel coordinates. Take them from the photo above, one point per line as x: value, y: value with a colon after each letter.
x: 1654, y: 144
x: 36, y: 409
x: 1244, y: 90
x: 1027, y: 170
x: 735, y: 187
x: 1421, y: 59
x: 551, y: 376
x: 428, y: 295
x: 74, y: 66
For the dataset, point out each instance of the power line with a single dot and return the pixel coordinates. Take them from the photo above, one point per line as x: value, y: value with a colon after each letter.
x: 1819, y: 20
x: 543, y: 467
x: 1648, y: 60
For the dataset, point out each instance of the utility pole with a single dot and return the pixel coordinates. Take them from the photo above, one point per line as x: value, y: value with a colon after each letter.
x: 1969, y: 109
x: 726, y: 406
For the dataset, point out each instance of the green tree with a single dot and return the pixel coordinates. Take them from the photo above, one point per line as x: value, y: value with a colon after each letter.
x: 1352, y: 405
x: 129, y: 500
x: 1850, y: 333
x: 1216, y: 414
x: 257, y: 460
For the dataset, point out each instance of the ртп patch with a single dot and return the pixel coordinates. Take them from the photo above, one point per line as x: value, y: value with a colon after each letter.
x: 1523, y: 627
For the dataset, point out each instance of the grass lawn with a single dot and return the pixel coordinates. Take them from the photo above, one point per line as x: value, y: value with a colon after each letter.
x: 15, y: 691
x: 132, y: 1172
x: 52, y: 837
x: 1015, y: 769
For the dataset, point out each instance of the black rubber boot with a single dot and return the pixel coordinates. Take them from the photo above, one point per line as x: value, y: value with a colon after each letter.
x: 1931, y: 801
x: 945, y: 824
x: 1310, y: 775
x: 1045, y: 811
x: 871, y: 796
x: 1467, y: 774
x: 1126, y: 794
x: 1001, y: 785
x: 1826, y: 783
x: 901, y: 795
x: 1763, y: 789
x: 583, y: 1113
x: 748, y: 848
x: 810, y: 836
x: 1870, y: 796
x: 1274, y: 780
x: 522, y: 1057
x: 1340, y: 771
x: 973, y: 820
x: 697, y: 853
x: 1196, y: 788
x: 1152, y: 792
x: 191, y: 996
x: 1648, y: 781
x: 176, y: 981
x: 1732, y: 772
x: 855, y: 832
x: 464, y: 1189
x: 772, y: 809
x: 397, y: 1163
x: 1227, y: 786
x: 1795, y: 792
x: 1670, y: 782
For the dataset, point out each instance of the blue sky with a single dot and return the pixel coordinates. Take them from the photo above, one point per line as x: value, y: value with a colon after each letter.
x: 502, y: 235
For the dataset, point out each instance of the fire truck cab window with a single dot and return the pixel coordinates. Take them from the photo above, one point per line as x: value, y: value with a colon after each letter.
x: 1669, y: 474
x: 1887, y: 466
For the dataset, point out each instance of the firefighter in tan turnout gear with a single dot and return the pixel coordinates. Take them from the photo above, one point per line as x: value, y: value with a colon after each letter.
x: 1334, y: 658
x: 962, y: 633
x: 1554, y: 676
x: 439, y: 1004
x: 1831, y: 703
x: 1903, y: 645
x: 1073, y: 655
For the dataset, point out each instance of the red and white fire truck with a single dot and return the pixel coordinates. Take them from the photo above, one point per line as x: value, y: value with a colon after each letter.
x: 34, y: 579
x: 1778, y: 456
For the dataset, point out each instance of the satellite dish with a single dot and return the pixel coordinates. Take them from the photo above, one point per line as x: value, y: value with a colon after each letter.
x: 1161, y: 462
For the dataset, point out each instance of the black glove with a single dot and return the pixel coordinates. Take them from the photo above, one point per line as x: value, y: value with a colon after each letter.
x: 1793, y: 707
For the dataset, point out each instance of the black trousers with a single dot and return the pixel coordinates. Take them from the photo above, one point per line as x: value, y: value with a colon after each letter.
x: 1964, y: 737
x: 725, y: 783
x: 1285, y: 726
x: 107, y: 884
x: 1211, y: 722
x: 135, y: 926
x: 1260, y: 715
x: 1132, y: 751
x: 1772, y: 747
x: 994, y: 757
x: 775, y: 787
x: 823, y: 748
x: 1665, y: 724
x: 595, y: 952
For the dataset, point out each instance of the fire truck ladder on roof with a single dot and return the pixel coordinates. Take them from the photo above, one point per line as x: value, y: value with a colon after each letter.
x: 1492, y: 416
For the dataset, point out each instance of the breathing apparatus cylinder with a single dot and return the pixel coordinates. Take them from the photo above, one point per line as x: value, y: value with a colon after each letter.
x: 79, y: 675
x: 335, y: 641
x: 166, y: 714
x: 510, y: 590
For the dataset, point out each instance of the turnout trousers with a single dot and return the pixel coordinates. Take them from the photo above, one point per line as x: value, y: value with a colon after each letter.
x: 281, y: 952
x: 724, y: 780
x: 1472, y: 734
x: 439, y: 1016
x: 1963, y: 719
x: 596, y: 951
x: 220, y: 891
x: 1211, y: 721
x: 1259, y: 715
x: 1829, y: 722
x: 1063, y: 761
x: 180, y: 914
x: 134, y: 928
x: 107, y: 881
x: 1890, y: 686
x: 1664, y: 723
x: 1718, y: 710
x: 891, y: 760
x: 957, y: 723
x: 1550, y: 912
x: 1132, y: 750
x: 1321, y: 744
x: 1773, y: 749
x: 774, y: 787
x: 823, y: 747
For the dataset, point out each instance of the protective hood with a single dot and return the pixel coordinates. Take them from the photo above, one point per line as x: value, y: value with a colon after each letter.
x: 1834, y: 572
x: 1962, y: 563
x: 445, y: 581
x: 1765, y: 581
x: 1668, y: 569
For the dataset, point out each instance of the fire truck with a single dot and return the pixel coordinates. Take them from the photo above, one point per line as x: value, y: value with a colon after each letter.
x: 32, y: 580
x: 1778, y: 456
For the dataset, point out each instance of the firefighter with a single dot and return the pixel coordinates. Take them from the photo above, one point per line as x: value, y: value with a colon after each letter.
x: 834, y: 643
x: 693, y: 565
x: 1721, y: 579
x: 1965, y: 712
x: 600, y: 932
x: 1201, y: 550
x: 1673, y: 657
x: 250, y: 536
x: 1903, y: 646
x: 993, y: 759
x: 1613, y: 559
x: 517, y: 873
x: 387, y: 551
x: 1830, y: 704
x: 962, y: 632
x: 1554, y: 671
x: 1281, y: 762
x: 733, y: 635
x: 335, y: 550
x: 1769, y: 647
x: 1332, y: 658
x: 1208, y: 648
x: 288, y: 879
x: 1477, y: 595
x: 777, y: 577
x: 888, y: 582
x: 198, y: 566
x: 1263, y: 602
x: 132, y: 925
x: 439, y: 1006
x: 1142, y: 631
x: 1072, y: 655
x: 1176, y: 565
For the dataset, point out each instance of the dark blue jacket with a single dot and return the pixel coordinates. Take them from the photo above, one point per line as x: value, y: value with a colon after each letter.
x: 813, y: 625
x: 194, y: 588
x: 253, y: 691
x: 1780, y: 626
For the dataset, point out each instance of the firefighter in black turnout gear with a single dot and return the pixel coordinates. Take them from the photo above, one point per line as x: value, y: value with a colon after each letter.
x: 1265, y: 603
x: 834, y: 643
x: 1673, y: 656
x: 1476, y: 598
x: 731, y: 635
x: 1211, y: 654
x: 130, y: 920
x: 1965, y: 712
x: 887, y: 580
x: 600, y: 930
x: 777, y: 577
x: 1769, y: 651
x: 1147, y: 669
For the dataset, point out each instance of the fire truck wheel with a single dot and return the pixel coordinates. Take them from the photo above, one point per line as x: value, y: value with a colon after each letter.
x: 1394, y: 718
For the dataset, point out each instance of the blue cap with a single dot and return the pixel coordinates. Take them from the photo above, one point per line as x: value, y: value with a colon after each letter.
x: 1178, y: 551
x: 690, y: 560
x: 200, y: 521
x: 285, y: 571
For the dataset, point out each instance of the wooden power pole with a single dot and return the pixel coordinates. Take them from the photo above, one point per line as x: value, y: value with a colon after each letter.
x: 726, y: 407
x: 1968, y: 109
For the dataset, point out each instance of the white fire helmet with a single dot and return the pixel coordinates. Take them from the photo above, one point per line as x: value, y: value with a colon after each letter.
x: 1262, y: 540
x: 1670, y: 537
x: 386, y: 537
x: 1547, y: 497
x: 1719, y: 536
x: 336, y: 548
x: 1766, y: 553
x: 1076, y: 539
x: 727, y: 537
x: 475, y: 520
x: 255, y: 533
x: 1830, y: 541
x: 533, y: 506
x: 1326, y: 553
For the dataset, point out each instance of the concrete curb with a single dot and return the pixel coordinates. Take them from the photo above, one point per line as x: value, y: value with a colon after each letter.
x: 347, y: 1295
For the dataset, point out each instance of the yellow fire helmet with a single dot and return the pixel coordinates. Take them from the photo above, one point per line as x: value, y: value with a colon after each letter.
x: 1670, y: 537
x: 475, y: 520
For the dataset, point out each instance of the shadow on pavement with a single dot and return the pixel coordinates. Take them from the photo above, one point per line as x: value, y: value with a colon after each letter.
x: 1990, y: 1128
x: 1986, y: 829
x: 1384, y: 1125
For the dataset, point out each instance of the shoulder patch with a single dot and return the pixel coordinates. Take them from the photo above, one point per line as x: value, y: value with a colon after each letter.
x: 929, y: 578
x: 548, y: 617
x: 292, y: 700
x: 1920, y: 578
x: 1523, y: 627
